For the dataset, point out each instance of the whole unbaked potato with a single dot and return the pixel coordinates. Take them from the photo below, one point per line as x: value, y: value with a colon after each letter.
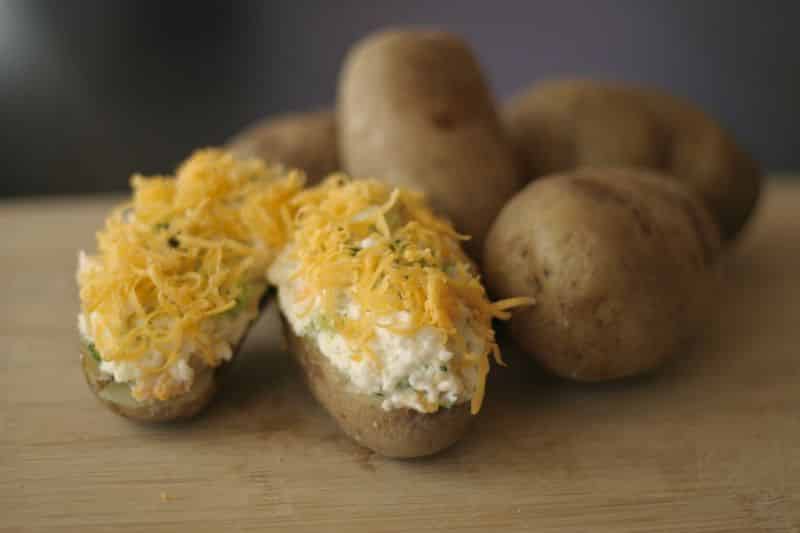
x: 620, y: 263
x: 297, y: 140
x: 414, y: 109
x: 561, y: 125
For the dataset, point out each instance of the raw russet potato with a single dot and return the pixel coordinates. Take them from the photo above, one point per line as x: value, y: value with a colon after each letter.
x: 558, y: 126
x: 620, y: 262
x: 297, y: 140
x: 414, y: 109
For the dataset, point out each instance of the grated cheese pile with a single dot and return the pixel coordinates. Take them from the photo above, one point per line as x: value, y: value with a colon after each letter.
x: 391, y: 256
x: 177, y: 258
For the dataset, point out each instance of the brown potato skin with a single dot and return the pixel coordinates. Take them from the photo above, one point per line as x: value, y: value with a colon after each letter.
x: 182, y: 407
x: 397, y: 433
x: 414, y: 109
x: 297, y: 140
x: 561, y: 125
x: 620, y: 263
x: 179, y: 408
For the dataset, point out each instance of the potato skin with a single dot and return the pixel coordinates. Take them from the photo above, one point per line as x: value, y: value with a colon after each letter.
x: 398, y: 433
x: 180, y: 408
x: 620, y: 262
x: 297, y: 140
x: 413, y: 109
x: 561, y: 125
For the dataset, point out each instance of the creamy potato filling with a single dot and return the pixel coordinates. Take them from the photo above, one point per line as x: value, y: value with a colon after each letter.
x: 417, y: 371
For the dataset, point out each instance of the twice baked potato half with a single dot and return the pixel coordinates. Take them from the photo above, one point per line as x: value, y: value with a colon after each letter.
x: 178, y: 278
x: 386, y: 316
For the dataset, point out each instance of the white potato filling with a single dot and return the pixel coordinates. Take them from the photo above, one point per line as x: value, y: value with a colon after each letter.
x: 410, y: 371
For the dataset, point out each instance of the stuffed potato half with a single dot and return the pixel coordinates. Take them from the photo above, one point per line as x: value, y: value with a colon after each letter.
x: 386, y: 316
x: 178, y: 278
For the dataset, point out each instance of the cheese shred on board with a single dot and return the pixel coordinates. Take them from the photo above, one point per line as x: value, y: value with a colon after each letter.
x: 373, y: 263
x: 180, y: 270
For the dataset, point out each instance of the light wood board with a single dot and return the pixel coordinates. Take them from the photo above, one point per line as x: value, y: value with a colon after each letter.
x: 711, y: 443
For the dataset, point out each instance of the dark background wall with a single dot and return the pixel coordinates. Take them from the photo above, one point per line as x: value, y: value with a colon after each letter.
x: 94, y: 90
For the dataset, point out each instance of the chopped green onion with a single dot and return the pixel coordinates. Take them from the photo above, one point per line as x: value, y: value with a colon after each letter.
x: 93, y: 352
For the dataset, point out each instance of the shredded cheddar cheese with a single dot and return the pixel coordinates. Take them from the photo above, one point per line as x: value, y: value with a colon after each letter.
x: 178, y: 256
x: 391, y: 256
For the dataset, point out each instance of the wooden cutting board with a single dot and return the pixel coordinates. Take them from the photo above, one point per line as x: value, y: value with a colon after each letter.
x: 711, y: 443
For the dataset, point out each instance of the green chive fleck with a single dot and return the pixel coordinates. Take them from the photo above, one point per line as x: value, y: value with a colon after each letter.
x: 93, y: 352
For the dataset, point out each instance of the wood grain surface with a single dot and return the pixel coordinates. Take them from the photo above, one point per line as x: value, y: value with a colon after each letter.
x: 711, y: 443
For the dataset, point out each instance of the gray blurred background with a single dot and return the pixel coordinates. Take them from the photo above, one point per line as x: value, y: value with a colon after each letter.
x: 92, y: 91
